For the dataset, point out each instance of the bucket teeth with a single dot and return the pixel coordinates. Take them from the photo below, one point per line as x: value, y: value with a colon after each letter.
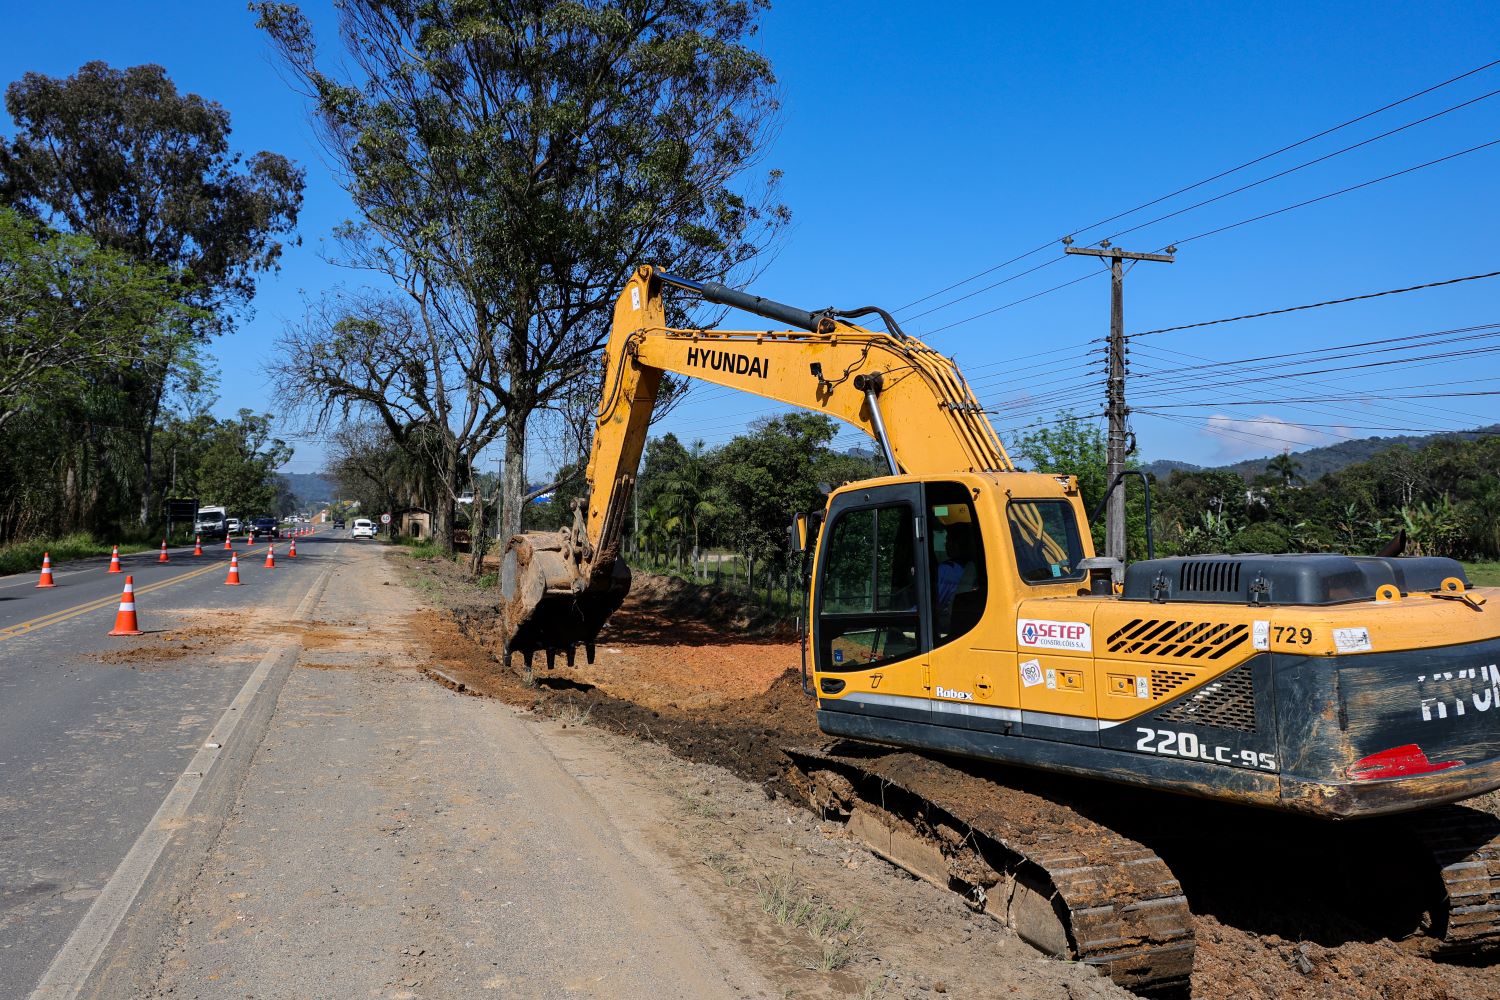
x: 572, y: 654
x: 551, y: 658
x: 588, y: 651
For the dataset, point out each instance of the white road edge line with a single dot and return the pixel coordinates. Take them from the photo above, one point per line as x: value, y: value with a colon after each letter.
x: 76, y: 960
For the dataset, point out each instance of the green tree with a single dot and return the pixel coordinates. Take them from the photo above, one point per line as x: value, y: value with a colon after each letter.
x: 73, y: 312
x: 1075, y: 446
x: 76, y: 320
x: 124, y: 158
x: 691, y: 495
x: 238, y: 470
x: 766, y: 476
x: 512, y: 160
x: 1070, y: 446
x: 1285, y: 468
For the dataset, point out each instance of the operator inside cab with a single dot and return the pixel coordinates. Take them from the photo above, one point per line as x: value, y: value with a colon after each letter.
x: 958, y: 582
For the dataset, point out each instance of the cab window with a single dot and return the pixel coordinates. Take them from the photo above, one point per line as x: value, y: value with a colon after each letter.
x: 1046, y: 540
x: 869, y: 611
x: 956, y: 558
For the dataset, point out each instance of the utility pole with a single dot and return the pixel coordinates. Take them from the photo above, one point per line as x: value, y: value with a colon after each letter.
x: 1118, y: 412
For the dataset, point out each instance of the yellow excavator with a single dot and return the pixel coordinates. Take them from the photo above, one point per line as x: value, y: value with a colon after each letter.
x: 955, y: 608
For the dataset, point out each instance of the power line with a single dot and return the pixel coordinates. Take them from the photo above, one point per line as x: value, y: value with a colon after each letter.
x: 1318, y: 305
x: 1301, y: 166
x: 1281, y: 358
x: 1039, y: 354
x: 1209, y: 180
x: 1335, y: 194
x: 1191, y: 381
x: 1028, y: 298
x: 1321, y: 399
x: 1414, y: 409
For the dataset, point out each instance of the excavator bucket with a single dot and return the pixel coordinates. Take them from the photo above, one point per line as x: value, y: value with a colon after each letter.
x: 546, y: 604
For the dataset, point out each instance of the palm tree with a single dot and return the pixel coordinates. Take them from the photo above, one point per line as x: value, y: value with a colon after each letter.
x: 686, y: 494
x: 1285, y: 466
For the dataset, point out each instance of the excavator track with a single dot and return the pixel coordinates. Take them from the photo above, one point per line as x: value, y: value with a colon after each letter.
x: 1066, y: 884
x: 1464, y: 845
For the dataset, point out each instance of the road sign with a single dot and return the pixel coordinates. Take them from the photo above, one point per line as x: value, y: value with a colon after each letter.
x: 385, y: 519
x: 179, y: 509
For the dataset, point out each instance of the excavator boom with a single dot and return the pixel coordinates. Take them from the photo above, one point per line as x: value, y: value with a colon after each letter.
x: 558, y: 588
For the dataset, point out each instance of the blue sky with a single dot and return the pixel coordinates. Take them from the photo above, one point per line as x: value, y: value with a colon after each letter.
x: 918, y: 151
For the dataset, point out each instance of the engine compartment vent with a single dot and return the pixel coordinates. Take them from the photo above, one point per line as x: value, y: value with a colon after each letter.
x: 1164, y: 682
x: 1174, y: 639
x: 1210, y: 575
x: 1227, y: 702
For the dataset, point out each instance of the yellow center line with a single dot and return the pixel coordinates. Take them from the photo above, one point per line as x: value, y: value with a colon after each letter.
x: 27, y: 627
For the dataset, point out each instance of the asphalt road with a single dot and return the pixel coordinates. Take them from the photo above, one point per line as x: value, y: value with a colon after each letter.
x: 95, y: 729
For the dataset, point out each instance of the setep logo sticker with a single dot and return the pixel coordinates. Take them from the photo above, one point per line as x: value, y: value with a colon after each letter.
x: 1034, y: 634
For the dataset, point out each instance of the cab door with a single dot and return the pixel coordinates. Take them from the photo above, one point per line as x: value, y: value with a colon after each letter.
x: 872, y: 606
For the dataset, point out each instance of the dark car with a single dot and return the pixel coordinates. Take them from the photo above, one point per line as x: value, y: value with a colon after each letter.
x: 264, y: 527
x: 338, y: 522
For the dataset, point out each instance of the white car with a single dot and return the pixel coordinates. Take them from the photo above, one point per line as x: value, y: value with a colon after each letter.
x: 363, y: 528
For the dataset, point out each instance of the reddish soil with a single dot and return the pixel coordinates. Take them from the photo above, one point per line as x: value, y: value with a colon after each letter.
x: 162, y: 647
x: 683, y: 667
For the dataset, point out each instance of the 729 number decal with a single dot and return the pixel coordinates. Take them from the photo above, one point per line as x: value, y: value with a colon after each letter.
x: 1166, y: 743
x: 1292, y: 635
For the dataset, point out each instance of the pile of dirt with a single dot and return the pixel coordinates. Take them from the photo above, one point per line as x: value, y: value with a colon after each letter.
x: 696, y: 606
x: 675, y: 669
x: 164, y: 647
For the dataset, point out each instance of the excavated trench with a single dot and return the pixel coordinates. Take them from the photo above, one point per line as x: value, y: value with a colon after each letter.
x: 1281, y: 906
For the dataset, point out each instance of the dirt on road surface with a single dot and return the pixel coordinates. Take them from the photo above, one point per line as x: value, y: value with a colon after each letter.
x: 674, y: 671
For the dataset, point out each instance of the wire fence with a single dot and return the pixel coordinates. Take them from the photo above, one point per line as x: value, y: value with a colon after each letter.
x: 777, y: 589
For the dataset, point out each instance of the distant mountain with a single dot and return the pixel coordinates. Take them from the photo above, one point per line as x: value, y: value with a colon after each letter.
x: 1318, y: 462
x: 309, y: 487
x: 1163, y: 468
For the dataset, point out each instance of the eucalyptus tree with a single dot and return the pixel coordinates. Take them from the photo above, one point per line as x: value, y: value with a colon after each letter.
x: 511, y: 161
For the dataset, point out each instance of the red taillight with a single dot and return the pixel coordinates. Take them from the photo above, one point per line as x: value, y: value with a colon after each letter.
x: 1398, y: 762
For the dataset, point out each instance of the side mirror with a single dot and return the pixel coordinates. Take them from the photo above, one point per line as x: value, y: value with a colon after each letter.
x: 798, y: 533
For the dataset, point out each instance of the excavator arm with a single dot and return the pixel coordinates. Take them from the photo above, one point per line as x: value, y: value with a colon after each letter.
x: 558, y: 588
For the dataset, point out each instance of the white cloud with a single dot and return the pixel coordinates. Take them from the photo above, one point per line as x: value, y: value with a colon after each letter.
x: 1247, y: 437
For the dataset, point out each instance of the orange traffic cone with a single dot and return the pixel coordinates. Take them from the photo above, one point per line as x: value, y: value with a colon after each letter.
x: 197, y: 545
x: 163, y: 558
x: 291, y: 553
x: 46, y: 580
x: 125, y: 623
x: 227, y: 541
x: 234, y: 571
x: 271, y: 557
x: 114, y: 561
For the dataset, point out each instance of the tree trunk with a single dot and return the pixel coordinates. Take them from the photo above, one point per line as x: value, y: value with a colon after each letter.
x: 148, y: 440
x: 478, y: 530
x: 513, y: 482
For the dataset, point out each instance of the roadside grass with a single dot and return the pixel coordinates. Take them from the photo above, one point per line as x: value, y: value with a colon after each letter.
x: 1483, y: 574
x: 25, y: 556
x: 699, y: 806
x: 421, y: 548
x: 570, y: 714
x: 836, y: 931
x: 726, y: 866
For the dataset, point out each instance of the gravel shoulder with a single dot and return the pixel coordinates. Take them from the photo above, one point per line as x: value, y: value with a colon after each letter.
x: 399, y: 841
